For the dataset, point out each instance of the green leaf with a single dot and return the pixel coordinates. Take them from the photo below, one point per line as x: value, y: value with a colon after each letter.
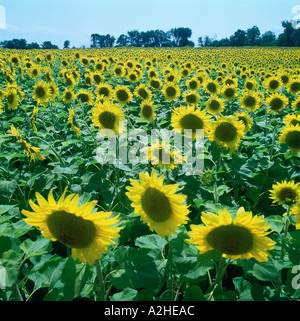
x: 194, y: 293
x: 8, y: 187
x: 152, y: 241
x: 6, y: 208
x: 277, y: 223
x: 136, y: 269
x: 10, y: 261
x: 243, y: 288
x: 34, y: 248
x: 127, y: 294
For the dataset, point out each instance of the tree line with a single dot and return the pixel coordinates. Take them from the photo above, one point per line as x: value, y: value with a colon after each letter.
x: 176, y: 37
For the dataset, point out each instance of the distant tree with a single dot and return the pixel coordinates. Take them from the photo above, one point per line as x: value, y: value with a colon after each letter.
x: 200, y: 42
x: 122, y: 41
x: 134, y: 38
x: 15, y: 44
x: 33, y: 45
x: 95, y: 40
x: 290, y: 36
x: 268, y: 39
x: 67, y: 44
x: 238, y: 38
x: 208, y: 41
x: 48, y: 45
x: 252, y: 36
x: 181, y: 36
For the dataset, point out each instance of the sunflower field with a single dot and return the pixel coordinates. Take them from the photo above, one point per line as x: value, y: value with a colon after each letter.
x: 73, y: 228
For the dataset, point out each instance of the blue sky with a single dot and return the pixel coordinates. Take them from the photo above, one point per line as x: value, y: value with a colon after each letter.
x: 59, y: 20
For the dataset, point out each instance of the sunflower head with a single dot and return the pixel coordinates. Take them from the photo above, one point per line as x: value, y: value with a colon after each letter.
x: 276, y: 102
x: 285, y: 192
x: 122, y: 94
x: 171, y: 91
x: 148, y: 111
x: 215, y: 105
x: 250, y: 101
x: 88, y: 234
x: 290, y: 136
x: 159, y: 206
x: 192, y: 98
x: 229, y: 92
x: 243, y: 237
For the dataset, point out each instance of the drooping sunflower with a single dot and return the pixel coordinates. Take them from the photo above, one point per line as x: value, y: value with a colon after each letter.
x: 108, y: 116
x: 189, y: 118
x: 229, y: 92
x: 171, y: 91
x: 276, y: 102
x: 159, y: 206
x: 243, y: 237
x: 293, y: 86
x: 122, y: 94
x: 143, y: 92
x: 250, y: 101
x: 12, y: 98
x: 295, y: 210
x: 85, y: 97
x: 71, y: 120
x: 273, y: 84
x: 227, y: 131
x: 191, y: 98
x: 33, y: 118
x: 285, y: 192
x: 88, y: 234
x: 148, y: 111
x: 215, y: 105
x: 161, y: 155
x: 31, y: 151
x: 290, y: 136
x: 41, y: 92
x: 296, y: 104
x: 245, y: 118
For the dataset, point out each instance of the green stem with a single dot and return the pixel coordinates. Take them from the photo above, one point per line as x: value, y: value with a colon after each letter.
x: 101, y: 289
x: 219, y: 276
x: 286, y: 228
x: 170, y: 276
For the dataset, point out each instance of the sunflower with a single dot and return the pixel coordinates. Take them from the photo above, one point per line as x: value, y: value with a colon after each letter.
x: 104, y: 90
x: 13, y: 131
x: 193, y: 84
x: 276, y: 102
x: 290, y: 136
x: 31, y: 151
x: 295, y: 210
x: 245, y: 118
x: 192, y: 98
x: 211, y: 86
x: 243, y: 237
x: 143, y: 92
x: 133, y: 76
x: 250, y: 101
x: 272, y: 84
x: 71, y: 120
x: 53, y: 89
x: 250, y: 84
x: 33, y: 118
x: 147, y: 111
x: 285, y: 192
x: 85, y: 97
x: 68, y: 96
x: 229, y: 92
x: 88, y: 234
x: 155, y: 83
x: 296, y: 104
x: 108, y: 116
x: 215, y: 105
x: 294, y: 86
x: 160, y: 154
x: 98, y: 78
x: 12, y: 98
x: 122, y: 94
x: 171, y: 91
x: 119, y: 71
x: 41, y: 92
x: 227, y: 131
x: 159, y: 206
x: 293, y: 119
x: 189, y: 118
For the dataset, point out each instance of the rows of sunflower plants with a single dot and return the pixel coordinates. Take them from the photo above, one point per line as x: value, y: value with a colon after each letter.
x: 73, y: 227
